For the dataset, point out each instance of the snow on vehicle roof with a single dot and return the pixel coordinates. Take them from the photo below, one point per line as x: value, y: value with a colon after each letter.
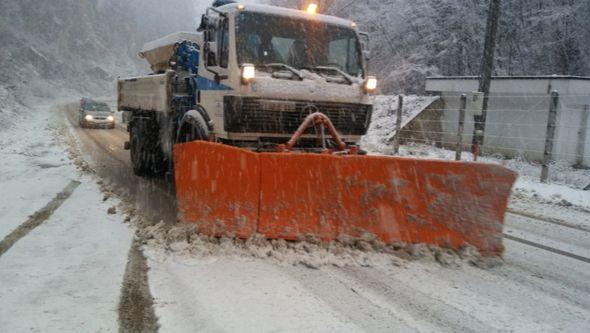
x: 173, y: 38
x: 280, y: 11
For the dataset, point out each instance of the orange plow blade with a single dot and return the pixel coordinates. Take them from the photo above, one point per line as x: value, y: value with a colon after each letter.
x: 231, y: 191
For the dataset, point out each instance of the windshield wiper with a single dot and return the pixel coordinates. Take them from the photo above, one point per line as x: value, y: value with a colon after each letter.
x: 287, y: 67
x: 337, y: 70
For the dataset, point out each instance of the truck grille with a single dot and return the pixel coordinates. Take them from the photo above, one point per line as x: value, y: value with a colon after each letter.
x: 254, y: 115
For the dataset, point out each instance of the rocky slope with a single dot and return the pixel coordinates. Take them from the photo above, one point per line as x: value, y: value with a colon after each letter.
x: 65, y: 47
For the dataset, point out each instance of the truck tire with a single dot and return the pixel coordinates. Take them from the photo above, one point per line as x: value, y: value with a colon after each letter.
x: 193, y: 127
x: 146, y: 155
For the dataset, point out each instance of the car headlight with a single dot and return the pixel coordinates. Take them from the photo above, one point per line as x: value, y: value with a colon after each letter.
x: 89, y: 117
x: 248, y: 73
x: 371, y: 84
x: 111, y: 118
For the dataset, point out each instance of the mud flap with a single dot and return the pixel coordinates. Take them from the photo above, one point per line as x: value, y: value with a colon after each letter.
x: 227, y: 190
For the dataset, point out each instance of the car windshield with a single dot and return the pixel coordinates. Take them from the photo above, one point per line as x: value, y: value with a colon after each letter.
x: 264, y: 39
x: 99, y: 107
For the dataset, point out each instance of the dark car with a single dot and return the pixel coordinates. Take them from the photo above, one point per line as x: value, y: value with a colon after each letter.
x: 95, y: 114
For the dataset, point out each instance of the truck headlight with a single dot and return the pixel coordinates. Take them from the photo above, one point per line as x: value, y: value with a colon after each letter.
x: 248, y: 73
x: 371, y: 84
x: 89, y: 117
x: 111, y: 118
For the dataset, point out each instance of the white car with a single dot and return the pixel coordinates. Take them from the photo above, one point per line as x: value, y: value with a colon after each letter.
x: 95, y: 114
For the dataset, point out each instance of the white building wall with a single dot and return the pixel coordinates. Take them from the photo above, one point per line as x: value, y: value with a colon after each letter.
x: 586, y: 158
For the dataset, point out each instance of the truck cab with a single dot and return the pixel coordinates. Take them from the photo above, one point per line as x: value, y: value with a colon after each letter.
x: 264, y: 69
x: 249, y: 78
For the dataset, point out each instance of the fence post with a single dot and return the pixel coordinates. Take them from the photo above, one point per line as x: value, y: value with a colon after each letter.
x: 459, y: 148
x: 398, y: 124
x: 582, y: 137
x: 551, y: 120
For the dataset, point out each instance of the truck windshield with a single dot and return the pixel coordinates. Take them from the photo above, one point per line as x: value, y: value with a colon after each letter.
x: 264, y: 39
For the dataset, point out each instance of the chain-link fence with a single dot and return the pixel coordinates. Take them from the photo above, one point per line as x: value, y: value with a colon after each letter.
x: 543, y: 129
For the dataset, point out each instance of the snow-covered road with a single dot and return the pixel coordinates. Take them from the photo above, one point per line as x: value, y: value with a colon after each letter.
x: 72, y: 266
x: 533, y: 291
x: 65, y: 275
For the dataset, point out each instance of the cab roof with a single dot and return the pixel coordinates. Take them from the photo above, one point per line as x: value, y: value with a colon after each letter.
x: 286, y: 12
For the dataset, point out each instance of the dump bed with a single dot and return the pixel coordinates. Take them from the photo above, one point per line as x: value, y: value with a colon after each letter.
x: 148, y: 93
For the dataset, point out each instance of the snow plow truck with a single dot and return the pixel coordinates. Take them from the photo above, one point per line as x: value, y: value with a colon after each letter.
x: 258, y: 115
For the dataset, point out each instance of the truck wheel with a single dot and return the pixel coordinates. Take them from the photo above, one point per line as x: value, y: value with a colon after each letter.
x: 146, y: 155
x: 192, y: 128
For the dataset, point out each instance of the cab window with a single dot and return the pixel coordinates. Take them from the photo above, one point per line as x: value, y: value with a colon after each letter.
x: 224, y: 44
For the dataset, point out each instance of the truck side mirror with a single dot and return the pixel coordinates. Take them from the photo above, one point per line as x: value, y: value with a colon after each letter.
x: 204, y: 23
x: 367, y: 54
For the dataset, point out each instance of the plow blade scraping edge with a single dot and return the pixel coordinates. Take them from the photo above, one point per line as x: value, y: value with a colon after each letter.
x: 231, y: 191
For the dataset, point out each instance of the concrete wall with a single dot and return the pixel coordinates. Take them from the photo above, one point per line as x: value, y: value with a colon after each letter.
x: 585, y: 148
x: 425, y: 127
x: 586, y: 158
x: 517, y: 116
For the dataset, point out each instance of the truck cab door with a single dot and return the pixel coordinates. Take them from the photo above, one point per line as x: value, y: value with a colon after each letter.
x: 216, y: 52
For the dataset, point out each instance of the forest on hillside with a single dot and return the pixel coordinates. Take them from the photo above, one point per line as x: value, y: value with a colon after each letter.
x: 83, y: 45
x: 59, y: 46
x: 413, y: 39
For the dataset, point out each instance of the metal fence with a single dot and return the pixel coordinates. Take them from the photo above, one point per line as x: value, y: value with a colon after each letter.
x: 539, y: 128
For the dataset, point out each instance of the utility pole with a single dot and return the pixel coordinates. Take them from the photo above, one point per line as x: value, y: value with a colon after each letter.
x: 550, y: 136
x: 485, y: 78
x: 398, y: 124
x: 459, y: 147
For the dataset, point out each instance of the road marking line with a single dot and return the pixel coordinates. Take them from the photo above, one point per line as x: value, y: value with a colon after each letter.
x: 548, y: 248
x: 549, y: 220
x: 38, y: 217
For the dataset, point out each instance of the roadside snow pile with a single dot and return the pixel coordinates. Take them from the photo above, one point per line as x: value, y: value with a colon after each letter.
x: 384, y: 117
x: 560, y: 172
x: 553, y: 194
x: 183, y: 240
x: 33, y: 167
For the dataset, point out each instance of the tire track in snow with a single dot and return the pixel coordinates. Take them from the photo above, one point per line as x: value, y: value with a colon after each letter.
x: 38, y: 217
x: 103, y: 151
x: 136, y: 305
